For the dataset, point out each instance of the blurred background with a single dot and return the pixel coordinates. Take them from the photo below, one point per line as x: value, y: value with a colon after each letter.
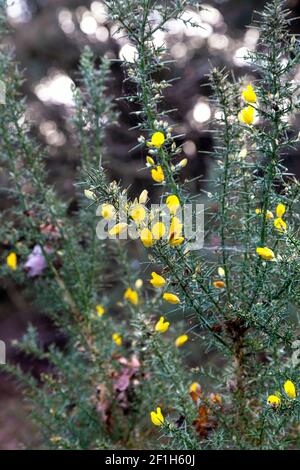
x: 48, y: 37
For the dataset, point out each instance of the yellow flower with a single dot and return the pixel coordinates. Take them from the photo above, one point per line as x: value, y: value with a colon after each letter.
x: 173, y: 204
x: 146, y: 237
x: 280, y: 210
x: 157, y: 281
x: 265, y: 253
x: 117, y: 339
x: 158, y: 230
x: 280, y: 225
x: 100, y: 310
x: 176, y: 227
x: 89, y: 194
x: 12, y: 261
x: 118, y: 228
x: 181, y: 340
x: 249, y: 94
x: 157, y: 417
x: 171, y: 298
x: 162, y: 326
x: 195, y: 387
x: 143, y: 197
x: 247, y: 115
x: 290, y: 389
x: 158, y: 174
x: 108, y: 211
x: 269, y: 214
x: 138, y: 213
x: 195, y: 391
x: 175, y: 241
x: 132, y: 296
x: 158, y: 139
x: 219, y: 284
x: 175, y: 237
x: 274, y: 401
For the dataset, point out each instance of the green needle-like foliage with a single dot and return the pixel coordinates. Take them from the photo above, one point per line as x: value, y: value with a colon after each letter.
x: 237, y: 298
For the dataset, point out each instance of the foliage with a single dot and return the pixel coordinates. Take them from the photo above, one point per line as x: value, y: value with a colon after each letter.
x: 121, y: 379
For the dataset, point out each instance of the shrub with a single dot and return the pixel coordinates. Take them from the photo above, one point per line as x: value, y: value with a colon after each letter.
x: 122, y: 378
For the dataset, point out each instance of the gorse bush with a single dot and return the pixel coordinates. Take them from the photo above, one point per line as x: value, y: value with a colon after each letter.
x: 122, y: 378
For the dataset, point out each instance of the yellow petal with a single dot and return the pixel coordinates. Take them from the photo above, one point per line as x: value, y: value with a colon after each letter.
x: 181, y: 340
x: 280, y: 225
x: 249, y: 94
x: 157, y: 281
x: 100, y: 310
x: 146, y: 237
x: 265, y: 253
x: 157, y: 139
x: 158, y: 230
x: 117, y: 229
x: 171, y: 298
x: 158, y: 174
x: 173, y: 203
x: 12, y: 261
x: 117, y: 339
x: 273, y: 400
x: 132, y: 296
x: 290, y: 389
x: 280, y: 210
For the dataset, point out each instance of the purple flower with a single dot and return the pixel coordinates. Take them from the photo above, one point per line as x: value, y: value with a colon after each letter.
x: 36, y: 262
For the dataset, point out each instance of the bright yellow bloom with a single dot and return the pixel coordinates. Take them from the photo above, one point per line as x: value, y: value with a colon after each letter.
x: 162, y: 326
x: 175, y: 234
x: 265, y: 253
x: 12, y: 261
x: 173, y: 204
x: 158, y: 174
x: 146, y: 237
x: 157, y: 281
x: 158, y: 139
x: 176, y: 227
x: 89, y: 194
x: 157, y: 417
x: 249, y: 94
x: 247, y: 115
x: 158, y: 230
x: 143, y: 197
x: 195, y: 387
x: 100, y: 310
x: 280, y: 225
x: 117, y: 339
x: 175, y: 241
x: 280, y: 210
x: 132, y: 296
x: 138, y: 213
x: 221, y: 271
x: 273, y: 400
x: 290, y: 389
x: 181, y: 340
x: 219, y: 284
x: 171, y: 298
x: 108, y: 211
x: 118, y: 228
x: 269, y: 214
